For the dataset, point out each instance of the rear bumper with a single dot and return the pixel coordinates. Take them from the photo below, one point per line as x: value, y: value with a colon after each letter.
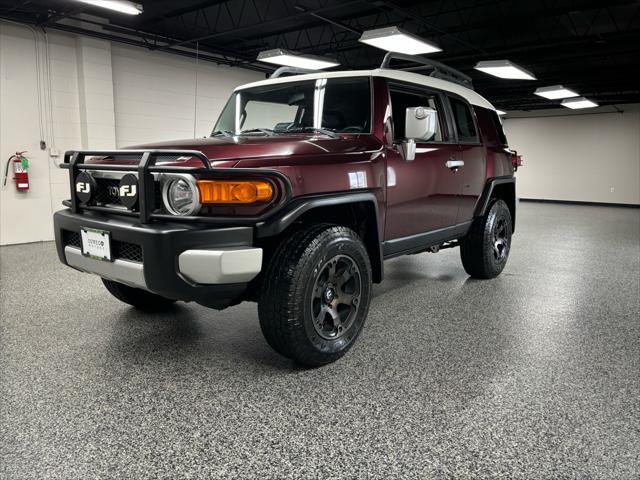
x: 211, y: 266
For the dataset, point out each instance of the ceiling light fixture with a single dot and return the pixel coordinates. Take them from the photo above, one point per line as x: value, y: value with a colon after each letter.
x: 393, y: 39
x: 556, y: 92
x: 122, y: 6
x: 501, y: 112
x: 579, y: 102
x: 504, y: 69
x: 279, y: 56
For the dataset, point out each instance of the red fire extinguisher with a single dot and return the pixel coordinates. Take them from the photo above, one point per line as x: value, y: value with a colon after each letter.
x: 20, y: 170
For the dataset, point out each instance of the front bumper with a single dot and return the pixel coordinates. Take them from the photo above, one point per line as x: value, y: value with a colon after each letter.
x: 211, y: 266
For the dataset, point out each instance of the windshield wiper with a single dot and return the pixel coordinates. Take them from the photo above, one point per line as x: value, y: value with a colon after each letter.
x: 267, y: 131
x: 324, y: 131
x: 224, y: 133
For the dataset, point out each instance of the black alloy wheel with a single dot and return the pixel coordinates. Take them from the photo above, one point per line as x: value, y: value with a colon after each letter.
x: 336, y: 296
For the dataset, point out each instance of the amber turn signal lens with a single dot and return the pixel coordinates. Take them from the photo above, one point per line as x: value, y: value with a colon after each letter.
x: 230, y: 191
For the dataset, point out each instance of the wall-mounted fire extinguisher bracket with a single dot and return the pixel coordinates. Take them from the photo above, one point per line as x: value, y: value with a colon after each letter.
x: 20, y: 165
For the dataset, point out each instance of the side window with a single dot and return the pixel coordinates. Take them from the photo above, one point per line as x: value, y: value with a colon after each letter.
x: 463, y: 119
x: 403, y: 99
x: 347, y: 105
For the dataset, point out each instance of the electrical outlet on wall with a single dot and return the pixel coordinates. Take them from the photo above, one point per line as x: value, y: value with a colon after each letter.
x: 612, y: 189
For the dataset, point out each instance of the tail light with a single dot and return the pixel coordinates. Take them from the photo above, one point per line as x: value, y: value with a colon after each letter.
x: 516, y: 160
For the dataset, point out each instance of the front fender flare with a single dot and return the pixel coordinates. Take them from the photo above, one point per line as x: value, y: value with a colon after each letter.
x: 299, y: 206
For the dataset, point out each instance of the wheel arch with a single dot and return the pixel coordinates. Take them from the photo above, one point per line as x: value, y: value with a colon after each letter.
x: 503, y: 188
x: 358, y: 211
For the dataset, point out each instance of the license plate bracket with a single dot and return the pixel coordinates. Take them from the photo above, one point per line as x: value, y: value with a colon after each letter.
x: 96, y: 243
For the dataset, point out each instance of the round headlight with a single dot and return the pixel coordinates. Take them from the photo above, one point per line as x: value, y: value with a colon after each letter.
x: 181, y: 196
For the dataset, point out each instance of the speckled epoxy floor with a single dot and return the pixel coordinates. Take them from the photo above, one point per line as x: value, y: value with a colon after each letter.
x: 535, y: 374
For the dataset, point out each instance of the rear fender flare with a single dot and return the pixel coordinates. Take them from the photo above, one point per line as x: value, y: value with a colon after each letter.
x: 489, y: 192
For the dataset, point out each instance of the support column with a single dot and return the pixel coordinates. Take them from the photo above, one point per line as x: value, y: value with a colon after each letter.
x: 95, y: 90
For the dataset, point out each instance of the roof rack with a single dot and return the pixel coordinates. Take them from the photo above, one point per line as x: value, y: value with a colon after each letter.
x: 439, y: 70
x: 281, y: 71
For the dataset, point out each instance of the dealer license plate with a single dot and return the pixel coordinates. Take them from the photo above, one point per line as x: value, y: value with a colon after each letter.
x: 96, y: 244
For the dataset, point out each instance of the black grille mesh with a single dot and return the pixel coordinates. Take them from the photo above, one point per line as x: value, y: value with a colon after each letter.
x: 126, y: 251
x: 121, y: 250
x: 72, y: 238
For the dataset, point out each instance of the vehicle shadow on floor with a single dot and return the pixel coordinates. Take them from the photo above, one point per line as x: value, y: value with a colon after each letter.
x: 183, y: 332
x: 402, y: 272
x: 190, y: 331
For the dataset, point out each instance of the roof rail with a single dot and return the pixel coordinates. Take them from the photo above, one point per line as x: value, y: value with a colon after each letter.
x: 439, y: 70
x: 290, y: 70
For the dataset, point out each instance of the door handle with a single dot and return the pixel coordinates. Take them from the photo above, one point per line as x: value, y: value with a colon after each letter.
x: 454, y: 164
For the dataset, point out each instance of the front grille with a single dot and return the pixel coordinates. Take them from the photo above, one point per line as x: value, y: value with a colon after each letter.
x: 107, y: 192
x: 120, y: 250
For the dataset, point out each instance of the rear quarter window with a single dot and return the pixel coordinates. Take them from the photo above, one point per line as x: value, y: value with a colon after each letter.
x: 497, y: 123
x: 490, y: 126
x: 463, y: 119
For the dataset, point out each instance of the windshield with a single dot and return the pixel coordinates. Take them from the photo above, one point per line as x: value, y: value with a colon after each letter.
x: 337, y: 105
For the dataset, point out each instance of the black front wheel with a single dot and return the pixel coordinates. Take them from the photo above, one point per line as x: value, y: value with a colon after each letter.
x: 316, y: 294
x: 485, y: 249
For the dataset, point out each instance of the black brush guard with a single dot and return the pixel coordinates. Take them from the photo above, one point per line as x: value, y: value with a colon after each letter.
x: 74, y: 160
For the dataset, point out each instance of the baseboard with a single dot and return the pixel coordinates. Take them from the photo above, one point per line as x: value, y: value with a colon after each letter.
x: 577, y: 202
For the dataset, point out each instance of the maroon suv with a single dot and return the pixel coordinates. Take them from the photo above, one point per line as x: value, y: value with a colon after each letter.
x: 306, y: 185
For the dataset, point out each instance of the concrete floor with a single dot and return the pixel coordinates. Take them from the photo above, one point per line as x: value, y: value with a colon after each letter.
x: 535, y: 374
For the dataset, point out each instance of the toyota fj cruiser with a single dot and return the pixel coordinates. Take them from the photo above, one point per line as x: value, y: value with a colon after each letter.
x: 306, y: 185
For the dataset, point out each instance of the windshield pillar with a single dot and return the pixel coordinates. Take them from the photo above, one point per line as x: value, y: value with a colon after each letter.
x: 318, y: 101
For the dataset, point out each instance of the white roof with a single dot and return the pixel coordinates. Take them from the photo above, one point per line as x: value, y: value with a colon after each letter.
x: 466, y: 93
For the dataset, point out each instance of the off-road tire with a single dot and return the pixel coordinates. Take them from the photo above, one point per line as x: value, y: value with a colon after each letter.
x: 293, y: 276
x: 479, y: 249
x: 141, y: 299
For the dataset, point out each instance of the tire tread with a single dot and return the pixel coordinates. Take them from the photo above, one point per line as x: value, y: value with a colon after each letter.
x: 278, y: 305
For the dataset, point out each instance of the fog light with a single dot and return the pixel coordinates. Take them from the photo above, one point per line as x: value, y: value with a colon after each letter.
x: 180, y: 196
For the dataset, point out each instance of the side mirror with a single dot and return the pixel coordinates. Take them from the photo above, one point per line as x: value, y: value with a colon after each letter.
x: 420, y: 124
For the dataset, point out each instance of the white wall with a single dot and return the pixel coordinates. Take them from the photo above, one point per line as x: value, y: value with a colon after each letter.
x: 584, y: 157
x: 104, y: 96
x: 155, y: 95
x: 26, y: 217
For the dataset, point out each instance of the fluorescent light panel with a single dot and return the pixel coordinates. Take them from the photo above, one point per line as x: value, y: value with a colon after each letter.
x: 556, y: 92
x: 504, y: 69
x: 279, y: 56
x: 121, y: 6
x: 579, y: 102
x: 393, y: 39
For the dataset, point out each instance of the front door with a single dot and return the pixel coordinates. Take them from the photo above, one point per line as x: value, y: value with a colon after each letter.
x: 423, y: 194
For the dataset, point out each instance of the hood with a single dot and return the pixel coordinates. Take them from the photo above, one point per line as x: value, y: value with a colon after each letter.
x: 227, y: 152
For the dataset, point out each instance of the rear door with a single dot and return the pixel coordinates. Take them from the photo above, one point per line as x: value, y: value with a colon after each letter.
x: 471, y: 153
x: 423, y: 194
